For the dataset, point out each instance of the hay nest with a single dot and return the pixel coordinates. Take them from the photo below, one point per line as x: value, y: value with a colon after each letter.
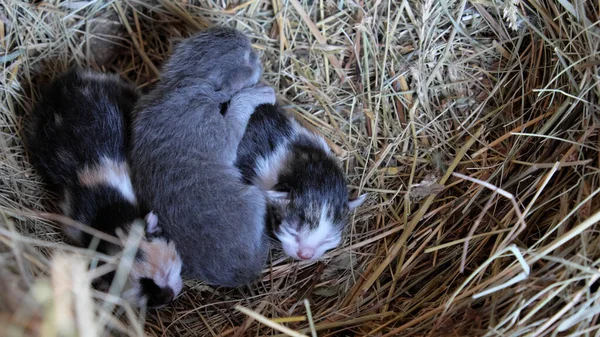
x: 473, y: 125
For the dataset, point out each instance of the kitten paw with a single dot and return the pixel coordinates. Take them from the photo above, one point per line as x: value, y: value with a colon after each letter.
x: 255, y: 96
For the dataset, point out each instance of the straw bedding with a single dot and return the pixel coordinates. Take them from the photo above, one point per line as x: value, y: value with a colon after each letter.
x: 473, y: 126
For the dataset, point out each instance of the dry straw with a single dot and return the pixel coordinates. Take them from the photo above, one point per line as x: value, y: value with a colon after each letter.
x: 471, y: 124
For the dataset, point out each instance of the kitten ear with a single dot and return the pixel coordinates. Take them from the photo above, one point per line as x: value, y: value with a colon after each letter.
x: 356, y: 202
x: 278, y: 196
x: 151, y: 223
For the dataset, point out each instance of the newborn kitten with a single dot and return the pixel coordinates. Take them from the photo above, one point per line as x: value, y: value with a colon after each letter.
x: 185, y: 139
x: 76, y: 137
x: 309, y: 205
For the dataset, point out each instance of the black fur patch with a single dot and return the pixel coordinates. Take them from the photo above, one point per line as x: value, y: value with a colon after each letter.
x: 223, y: 107
x: 268, y: 127
x: 102, y: 208
x: 77, y: 121
x: 155, y: 295
x: 80, y: 118
x: 313, y: 178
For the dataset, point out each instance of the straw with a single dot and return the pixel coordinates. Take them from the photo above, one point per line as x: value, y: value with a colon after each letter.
x: 471, y: 124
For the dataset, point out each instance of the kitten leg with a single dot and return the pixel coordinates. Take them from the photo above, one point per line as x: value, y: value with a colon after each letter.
x: 242, y: 106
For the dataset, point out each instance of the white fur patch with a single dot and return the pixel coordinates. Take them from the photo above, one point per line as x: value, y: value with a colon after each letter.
x: 121, y: 180
x: 151, y: 223
x: 355, y: 203
x: 111, y: 173
x: 269, y: 168
x: 317, y: 241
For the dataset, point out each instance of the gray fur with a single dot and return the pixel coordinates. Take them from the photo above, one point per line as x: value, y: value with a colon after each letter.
x: 184, y: 151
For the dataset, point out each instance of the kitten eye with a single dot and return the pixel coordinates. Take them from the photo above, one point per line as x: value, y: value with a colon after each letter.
x: 328, y: 240
x: 289, y: 230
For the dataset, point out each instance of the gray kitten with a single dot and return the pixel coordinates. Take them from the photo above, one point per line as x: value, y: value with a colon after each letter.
x: 185, y: 139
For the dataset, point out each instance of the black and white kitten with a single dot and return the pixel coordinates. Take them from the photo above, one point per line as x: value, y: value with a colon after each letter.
x: 309, y: 204
x: 77, y: 138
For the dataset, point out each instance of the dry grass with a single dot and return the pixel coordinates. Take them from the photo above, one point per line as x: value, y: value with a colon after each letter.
x: 472, y: 124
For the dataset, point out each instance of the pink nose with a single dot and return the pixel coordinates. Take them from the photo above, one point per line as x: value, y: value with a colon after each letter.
x: 306, y: 253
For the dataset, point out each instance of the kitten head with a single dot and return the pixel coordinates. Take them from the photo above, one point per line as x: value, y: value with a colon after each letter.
x: 155, y: 277
x: 310, y: 201
x: 307, y: 230
x: 220, y: 55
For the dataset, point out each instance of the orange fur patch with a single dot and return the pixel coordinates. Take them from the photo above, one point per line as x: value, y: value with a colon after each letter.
x: 158, y: 254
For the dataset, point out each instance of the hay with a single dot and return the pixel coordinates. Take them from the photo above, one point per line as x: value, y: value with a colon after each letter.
x: 472, y: 124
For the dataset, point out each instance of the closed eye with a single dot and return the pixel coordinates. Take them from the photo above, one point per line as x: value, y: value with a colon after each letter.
x: 329, y: 240
x: 289, y: 231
